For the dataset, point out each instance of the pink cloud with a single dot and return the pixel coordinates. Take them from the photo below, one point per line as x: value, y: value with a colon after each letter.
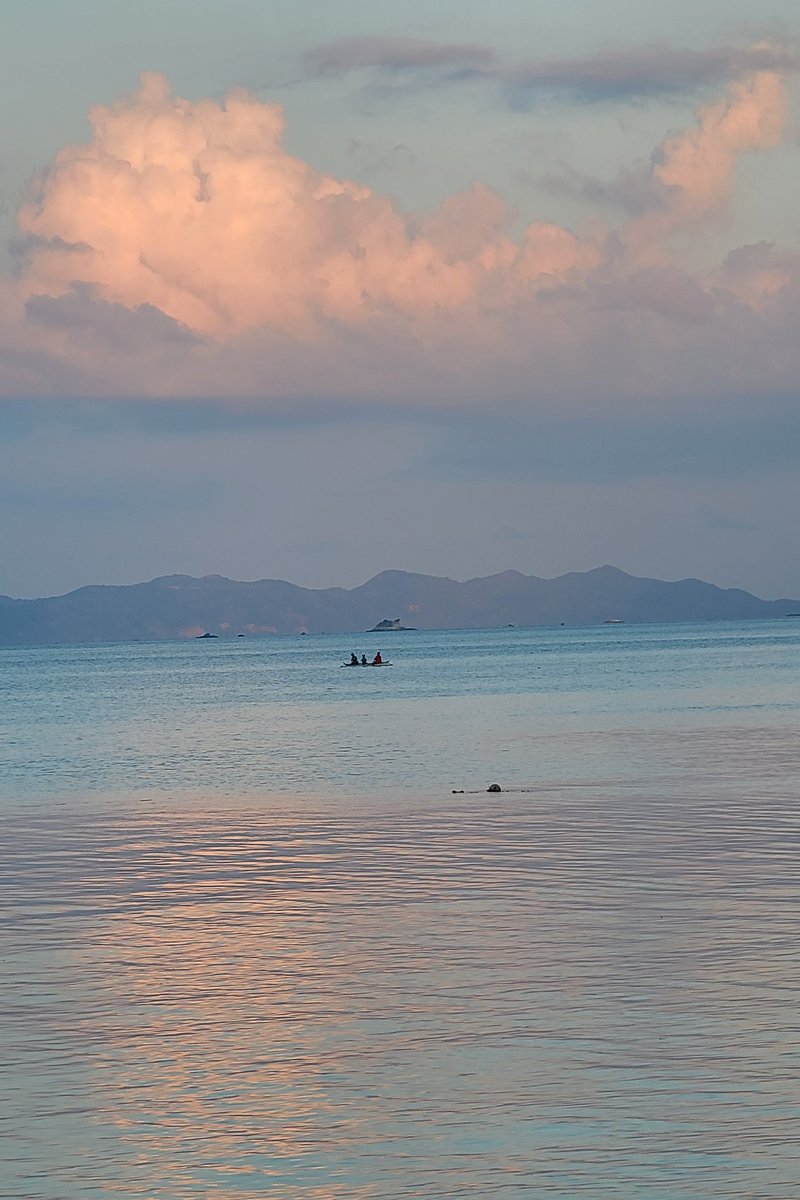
x: 695, y: 168
x: 198, y: 210
x: 183, y: 250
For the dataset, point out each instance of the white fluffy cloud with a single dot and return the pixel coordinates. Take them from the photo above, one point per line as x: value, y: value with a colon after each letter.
x: 198, y: 210
x: 183, y: 249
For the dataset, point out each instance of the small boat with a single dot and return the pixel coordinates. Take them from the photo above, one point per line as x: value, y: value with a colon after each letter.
x: 369, y: 664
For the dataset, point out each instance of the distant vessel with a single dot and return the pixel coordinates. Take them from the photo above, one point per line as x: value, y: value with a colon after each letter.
x: 387, y: 626
x: 384, y: 663
x: 201, y: 637
x: 613, y: 621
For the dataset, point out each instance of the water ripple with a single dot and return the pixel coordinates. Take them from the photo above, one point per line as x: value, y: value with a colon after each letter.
x: 547, y: 994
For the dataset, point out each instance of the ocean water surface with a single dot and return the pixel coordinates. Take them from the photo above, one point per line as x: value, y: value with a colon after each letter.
x: 257, y: 940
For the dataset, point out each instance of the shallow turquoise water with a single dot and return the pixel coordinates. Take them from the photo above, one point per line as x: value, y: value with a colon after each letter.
x: 255, y: 945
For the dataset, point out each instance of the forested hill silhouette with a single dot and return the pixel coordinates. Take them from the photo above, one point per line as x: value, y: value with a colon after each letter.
x: 180, y: 606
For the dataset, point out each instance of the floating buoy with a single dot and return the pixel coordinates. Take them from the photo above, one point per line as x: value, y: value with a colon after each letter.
x: 494, y: 787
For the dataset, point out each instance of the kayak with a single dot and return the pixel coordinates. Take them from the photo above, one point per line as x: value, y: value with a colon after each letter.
x: 368, y: 664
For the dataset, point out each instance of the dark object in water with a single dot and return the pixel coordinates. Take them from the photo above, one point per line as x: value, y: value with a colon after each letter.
x: 201, y: 637
x: 384, y: 663
x: 494, y: 787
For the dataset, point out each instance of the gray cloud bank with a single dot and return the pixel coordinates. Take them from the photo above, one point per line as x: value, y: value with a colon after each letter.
x: 614, y: 74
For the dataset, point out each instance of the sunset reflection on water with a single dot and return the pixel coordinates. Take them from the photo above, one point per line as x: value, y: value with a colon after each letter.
x: 468, y: 998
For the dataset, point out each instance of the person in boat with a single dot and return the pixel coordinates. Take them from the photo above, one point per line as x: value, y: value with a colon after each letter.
x: 363, y: 660
x: 377, y: 660
x: 353, y: 660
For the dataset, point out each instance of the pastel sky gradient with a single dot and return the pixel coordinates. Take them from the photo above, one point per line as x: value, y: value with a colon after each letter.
x: 309, y: 291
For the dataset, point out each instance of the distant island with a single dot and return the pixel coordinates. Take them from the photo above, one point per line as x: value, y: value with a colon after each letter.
x: 180, y: 606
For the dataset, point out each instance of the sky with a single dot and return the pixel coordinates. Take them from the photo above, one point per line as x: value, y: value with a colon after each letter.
x: 313, y: 291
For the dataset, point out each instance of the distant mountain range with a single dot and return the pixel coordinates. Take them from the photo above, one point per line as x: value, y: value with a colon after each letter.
x: 179, y: 606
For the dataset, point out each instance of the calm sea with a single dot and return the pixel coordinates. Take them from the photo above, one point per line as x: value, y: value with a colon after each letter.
x: 257, y: 941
